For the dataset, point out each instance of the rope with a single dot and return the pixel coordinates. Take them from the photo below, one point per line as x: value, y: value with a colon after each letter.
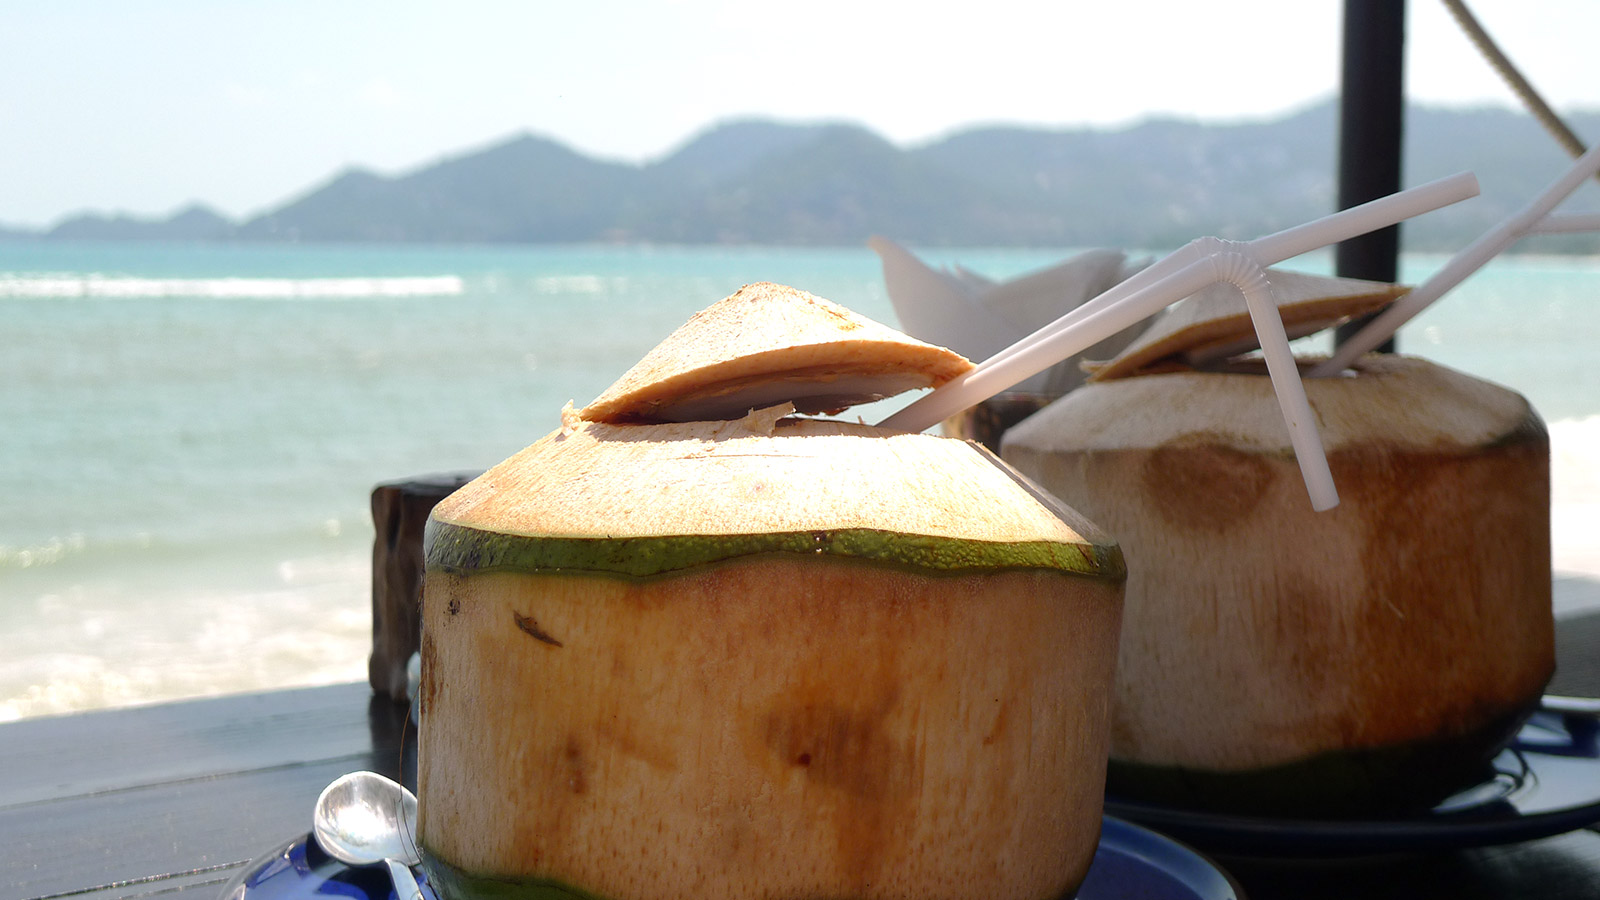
x: 1519, y: 85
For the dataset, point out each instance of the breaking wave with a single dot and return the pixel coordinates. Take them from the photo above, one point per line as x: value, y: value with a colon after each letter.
x: 70, y: 286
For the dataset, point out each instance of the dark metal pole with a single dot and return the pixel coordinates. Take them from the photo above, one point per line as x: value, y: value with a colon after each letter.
x: 1371, y: 126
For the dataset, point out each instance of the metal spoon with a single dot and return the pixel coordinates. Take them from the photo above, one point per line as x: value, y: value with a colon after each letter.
x: 363, y: 819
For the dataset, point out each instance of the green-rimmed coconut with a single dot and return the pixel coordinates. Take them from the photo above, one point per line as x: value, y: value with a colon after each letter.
x: 757, y: 655
x: 1275, y: 660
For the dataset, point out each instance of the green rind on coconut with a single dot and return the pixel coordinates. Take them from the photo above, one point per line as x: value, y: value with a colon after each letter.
x: 451, y: 883
x: 639, y: 501
x: 457, y: 548
x: 1356, y: 783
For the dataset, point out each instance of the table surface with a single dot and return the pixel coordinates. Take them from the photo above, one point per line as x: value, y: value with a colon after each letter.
x: 176, y: 798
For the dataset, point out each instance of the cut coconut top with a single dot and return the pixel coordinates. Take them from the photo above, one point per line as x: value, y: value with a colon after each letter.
x: 645, y: 499
x: 768, y: 344
x: 1214, y: 324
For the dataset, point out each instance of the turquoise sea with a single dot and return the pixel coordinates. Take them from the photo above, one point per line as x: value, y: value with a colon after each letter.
x: 189, y: 433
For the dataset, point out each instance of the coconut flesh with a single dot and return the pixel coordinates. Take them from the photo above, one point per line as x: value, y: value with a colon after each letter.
x: 762, y: 655
x: 1362, y: 661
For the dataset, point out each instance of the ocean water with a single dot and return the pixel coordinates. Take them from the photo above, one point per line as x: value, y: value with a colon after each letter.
x: 189, y: 434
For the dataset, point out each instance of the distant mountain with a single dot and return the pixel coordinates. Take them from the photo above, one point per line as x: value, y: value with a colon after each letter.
x: 528, y: 189
x: 193, y: 223
x: 730, y: 150
x: 837, y: 185
x: 1156, y: 184
x: 1514, y: 159
x: 1159, y: 183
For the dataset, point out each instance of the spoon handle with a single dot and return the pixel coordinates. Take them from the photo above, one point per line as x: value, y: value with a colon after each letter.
x: 405, y: 884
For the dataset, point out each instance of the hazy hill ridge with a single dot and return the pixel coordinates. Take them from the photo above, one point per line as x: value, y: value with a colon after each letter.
x: 1155, y: 184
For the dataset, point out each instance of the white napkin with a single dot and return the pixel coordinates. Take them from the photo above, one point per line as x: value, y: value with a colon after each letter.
x: 978, y: 317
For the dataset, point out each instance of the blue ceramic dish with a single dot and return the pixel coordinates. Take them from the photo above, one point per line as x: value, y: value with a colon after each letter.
x: 1130, y: 862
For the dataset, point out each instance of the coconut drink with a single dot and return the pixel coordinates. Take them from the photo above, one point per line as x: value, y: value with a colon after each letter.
x: 1366, y: 660
x: 693, y: 644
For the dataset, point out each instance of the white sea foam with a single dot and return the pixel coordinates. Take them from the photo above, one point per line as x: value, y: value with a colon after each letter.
x: 112, y: 286
x: 1575, y: 497
x: 44, y: 553
x: 153, y: 634
x: 575, y: 284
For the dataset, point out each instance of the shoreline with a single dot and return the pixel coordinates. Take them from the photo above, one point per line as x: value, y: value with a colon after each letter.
x: 310, y: 632
x: 1574, y: 596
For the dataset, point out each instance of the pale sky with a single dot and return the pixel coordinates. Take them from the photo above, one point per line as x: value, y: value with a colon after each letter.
x: 145, y: 107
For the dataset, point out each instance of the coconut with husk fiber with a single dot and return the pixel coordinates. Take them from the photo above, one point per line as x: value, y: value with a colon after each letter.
x: 756, y: 655
x: 1362, y: 661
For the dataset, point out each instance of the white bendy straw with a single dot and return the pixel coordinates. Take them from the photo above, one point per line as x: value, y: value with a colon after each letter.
x: 1533, y: 218
x: 1189, y: 269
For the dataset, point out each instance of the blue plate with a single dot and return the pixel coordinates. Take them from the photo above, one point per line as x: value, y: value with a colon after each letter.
x: 300, y: 870
x: 1135, y: 862
x: 1130, y: 862
x: 1546, y: 783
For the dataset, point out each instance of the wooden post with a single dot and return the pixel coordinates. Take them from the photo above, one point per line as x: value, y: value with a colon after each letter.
x: 1371, y: 135
x: 399, y: 511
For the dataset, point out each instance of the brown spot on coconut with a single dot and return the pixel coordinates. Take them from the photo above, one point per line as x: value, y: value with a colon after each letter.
x: 1214, y: 324
x: 784, y: 644
x: 1276, y: 660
